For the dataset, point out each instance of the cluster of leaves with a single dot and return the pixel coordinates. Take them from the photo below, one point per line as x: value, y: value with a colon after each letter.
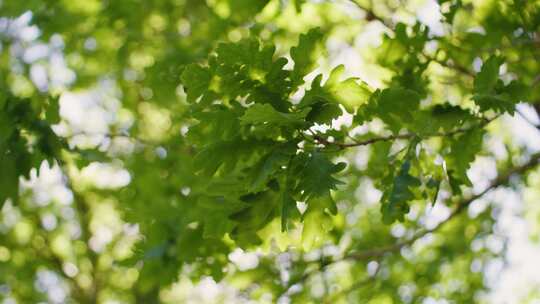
x: 241, y: 102
x: 249, y: 132
x: 26, y: 140
x: 490, y: 93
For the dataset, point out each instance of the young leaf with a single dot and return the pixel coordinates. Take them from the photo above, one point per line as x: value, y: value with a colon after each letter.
x: 350, y: 93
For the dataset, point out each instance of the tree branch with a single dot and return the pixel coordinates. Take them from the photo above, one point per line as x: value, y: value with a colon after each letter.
x: 81, y: 205
x: 113, y: 136
x: 371, y: 15
x: 460, y: 207
x: 454, y: 66
x: 324, y: 141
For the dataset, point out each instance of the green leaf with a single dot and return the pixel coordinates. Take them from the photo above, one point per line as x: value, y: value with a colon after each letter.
x: 257, y: 58
x: 298, y: 5
x: 305, y: 55
x: 52, y: 113
x: 436, y: 185
x: 229, y: 186
x: 486, y: 79
x: 463, y: 151
x: 455, y: 6
x: 491, y: 93
x: 229, y: 155
x: 324, y: 113
x: 217, y: 122
x: 216, y: 226
x: 396, y: 207
x: 247, y: 69
x: 266, y: 114
x: 277, y: 79
x: 441, y: 118
x: 84, y: 157
x: 395, y: 106
x: 214, y: 212
x: 447, y: 117
x: 316, y: 222
x: 289, y: 211
x: 258, y: 214
x: 350, y: 93
x: 6, y: 127
x: 503, y: 98
x: 242, y: 10
x: 516, y: 91
x: 196, y: 80
x: 316, y: 176
x: 268, y: 166
x: 494, y: 102
x: 9, y: 179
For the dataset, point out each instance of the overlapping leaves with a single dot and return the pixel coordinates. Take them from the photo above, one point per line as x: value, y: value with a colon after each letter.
x: 25, y: 140
x: 246, y: 130
x: 491, y: 93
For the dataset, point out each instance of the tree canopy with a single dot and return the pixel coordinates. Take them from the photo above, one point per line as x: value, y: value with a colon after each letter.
x: 265, y: 151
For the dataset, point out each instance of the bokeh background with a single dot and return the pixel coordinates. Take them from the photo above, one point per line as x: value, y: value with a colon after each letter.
x: 75, y: 235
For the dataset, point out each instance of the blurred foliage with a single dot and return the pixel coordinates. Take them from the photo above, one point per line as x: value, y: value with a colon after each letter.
x: 289, y: 150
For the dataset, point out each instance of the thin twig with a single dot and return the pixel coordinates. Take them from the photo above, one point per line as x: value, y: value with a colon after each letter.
x: 371, y: 15
x: 112, y: 136
x: 454, y: 66
x: 370, y: 141
x: 355, y: 286
x: 462, y: 205
x: 528, y: 120
x: 536, y: 81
